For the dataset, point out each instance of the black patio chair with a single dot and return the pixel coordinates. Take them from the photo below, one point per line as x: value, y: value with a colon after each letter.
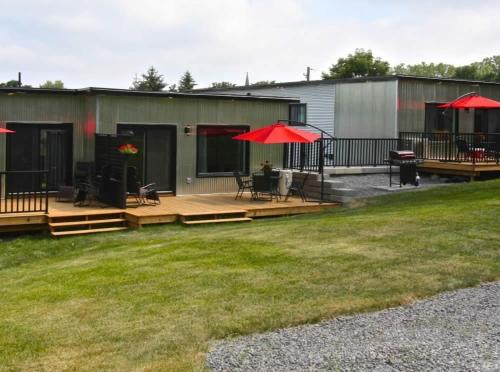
x: 297, y: 188
x: 242, y: 185
x: 463, y: 148
x: 84, y: 190
x: 144, y: 195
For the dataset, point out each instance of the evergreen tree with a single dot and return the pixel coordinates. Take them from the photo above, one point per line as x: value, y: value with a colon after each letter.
x: 186, y: 82
x: 152, y: 80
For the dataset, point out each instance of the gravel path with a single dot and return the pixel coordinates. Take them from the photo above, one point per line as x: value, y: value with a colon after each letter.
x: 454, y: 331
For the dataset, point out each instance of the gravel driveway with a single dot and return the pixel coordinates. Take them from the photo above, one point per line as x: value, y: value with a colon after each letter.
x: 454, y: 331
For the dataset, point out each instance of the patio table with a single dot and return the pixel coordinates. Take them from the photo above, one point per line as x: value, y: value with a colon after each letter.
x: 266, y: 184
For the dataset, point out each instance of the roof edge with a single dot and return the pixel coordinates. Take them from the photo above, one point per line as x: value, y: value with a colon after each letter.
x: 345, y: 81
x: 128, y: 92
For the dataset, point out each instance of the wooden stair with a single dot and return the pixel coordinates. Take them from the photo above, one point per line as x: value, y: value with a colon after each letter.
x: 86, y: 223
x: 214, y: 217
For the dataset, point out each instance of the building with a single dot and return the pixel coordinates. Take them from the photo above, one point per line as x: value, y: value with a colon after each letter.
x: 381, y: 107
x: 184, y: 140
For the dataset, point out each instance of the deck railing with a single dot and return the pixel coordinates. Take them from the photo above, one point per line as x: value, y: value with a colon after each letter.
x: 24, y: 191
x: 339, y: 152
x: 453, y: 147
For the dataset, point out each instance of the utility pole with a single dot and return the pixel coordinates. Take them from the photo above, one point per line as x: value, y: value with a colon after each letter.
x: 308, y: 73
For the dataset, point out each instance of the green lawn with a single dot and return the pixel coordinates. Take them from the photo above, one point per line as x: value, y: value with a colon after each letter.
x: 153, y: 299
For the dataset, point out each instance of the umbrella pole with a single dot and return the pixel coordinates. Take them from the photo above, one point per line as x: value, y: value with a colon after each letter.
x: 321, y: 167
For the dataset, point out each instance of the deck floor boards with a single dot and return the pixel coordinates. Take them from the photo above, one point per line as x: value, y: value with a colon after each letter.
x: 170, y: 209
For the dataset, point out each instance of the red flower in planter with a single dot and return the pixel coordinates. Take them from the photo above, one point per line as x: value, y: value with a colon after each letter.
x: 128, y: 149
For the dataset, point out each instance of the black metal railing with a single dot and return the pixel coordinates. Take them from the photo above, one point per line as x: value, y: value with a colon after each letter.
x: 339, y: 152
x: 453, y: 147
x: 24, y: 191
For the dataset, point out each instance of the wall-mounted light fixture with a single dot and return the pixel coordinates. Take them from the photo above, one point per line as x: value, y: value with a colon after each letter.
x: 188, y: 130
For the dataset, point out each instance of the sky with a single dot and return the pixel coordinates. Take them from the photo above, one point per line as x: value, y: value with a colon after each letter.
x: 104, y: 43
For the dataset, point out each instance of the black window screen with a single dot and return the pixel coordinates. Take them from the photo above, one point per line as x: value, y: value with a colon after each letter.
x: 437, y: 119
x: 481, y: 121
x: 298, y: 112
x: 218, y: 154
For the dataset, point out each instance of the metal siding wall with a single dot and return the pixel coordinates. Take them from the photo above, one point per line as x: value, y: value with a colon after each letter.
x: 412, y: 95
x: 366, y: 109
x: 48, y: 108
x: 193, y: 111
x: 320, y: 100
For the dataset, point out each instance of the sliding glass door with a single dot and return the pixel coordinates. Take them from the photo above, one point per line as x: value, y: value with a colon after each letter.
x: 40, y: 147
x: 155, y: 161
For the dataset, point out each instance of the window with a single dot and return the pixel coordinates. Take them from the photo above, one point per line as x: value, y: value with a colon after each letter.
x: 481, y: 121
x: 298, y: 112
x: 437, y: 119
x: 218, y: 154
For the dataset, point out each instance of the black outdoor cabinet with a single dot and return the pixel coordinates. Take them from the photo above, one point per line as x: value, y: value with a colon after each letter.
x: 111, y: 170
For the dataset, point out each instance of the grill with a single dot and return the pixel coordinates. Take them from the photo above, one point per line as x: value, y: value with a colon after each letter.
x: 407, y: 162
x: 401, y: 155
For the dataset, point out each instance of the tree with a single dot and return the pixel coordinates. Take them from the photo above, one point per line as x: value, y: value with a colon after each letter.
x: 49, y: 84
x: 14, y: 84
x: 441, y: 70
x: 152, y: 80
x: 10, y: 84
x: 186, y: 82
x: 264, y: 82
x: 468, y: 72
x: 361, y: 63
x: 488, y: 69
x: 223, y: 84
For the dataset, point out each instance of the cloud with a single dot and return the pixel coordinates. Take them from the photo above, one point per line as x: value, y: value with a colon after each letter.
x: 104, y: 43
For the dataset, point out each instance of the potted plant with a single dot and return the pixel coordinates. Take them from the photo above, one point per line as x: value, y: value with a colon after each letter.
x: 266, y: 168
x: 128, y: 149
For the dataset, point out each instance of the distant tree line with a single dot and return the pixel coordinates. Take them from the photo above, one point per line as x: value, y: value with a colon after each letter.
x: 362, y: 63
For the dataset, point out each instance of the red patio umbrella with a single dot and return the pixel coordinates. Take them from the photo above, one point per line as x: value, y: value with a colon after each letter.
x: 4, y: 130
x: 473, y: 101
x: 278, y: 133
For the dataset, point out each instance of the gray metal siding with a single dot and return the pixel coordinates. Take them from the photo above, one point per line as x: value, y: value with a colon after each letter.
x: 366, y: 109
x: 25, y: 107
x: 320, y: 100
x: 413, y: 94
x: 193, y: 111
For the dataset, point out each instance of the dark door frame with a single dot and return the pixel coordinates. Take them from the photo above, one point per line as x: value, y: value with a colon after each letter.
x: 39, y: 126
x: 173, y: 151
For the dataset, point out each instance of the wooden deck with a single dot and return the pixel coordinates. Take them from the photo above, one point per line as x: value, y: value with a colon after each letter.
x: 458, y: 168
x: 197, y: 208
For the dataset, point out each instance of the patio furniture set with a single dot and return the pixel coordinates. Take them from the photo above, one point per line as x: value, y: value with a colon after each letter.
x: 266, y: 186
x: 89, y: 187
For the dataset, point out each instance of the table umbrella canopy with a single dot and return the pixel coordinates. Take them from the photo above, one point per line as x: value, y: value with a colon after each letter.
x: 278, y: 133
x: 3, y: 130
x: 472, y: 102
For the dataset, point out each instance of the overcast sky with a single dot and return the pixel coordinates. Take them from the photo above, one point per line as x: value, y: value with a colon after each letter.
x: 104, y: 43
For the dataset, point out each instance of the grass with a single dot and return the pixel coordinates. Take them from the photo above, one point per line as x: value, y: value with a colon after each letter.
x: 153, y: 299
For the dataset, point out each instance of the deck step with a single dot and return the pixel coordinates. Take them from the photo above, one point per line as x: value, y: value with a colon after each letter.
x: 86, y: 222
x: 218, y: 220
x: 88, y: 231
x: 67, y: 225
x: 194, y: 214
